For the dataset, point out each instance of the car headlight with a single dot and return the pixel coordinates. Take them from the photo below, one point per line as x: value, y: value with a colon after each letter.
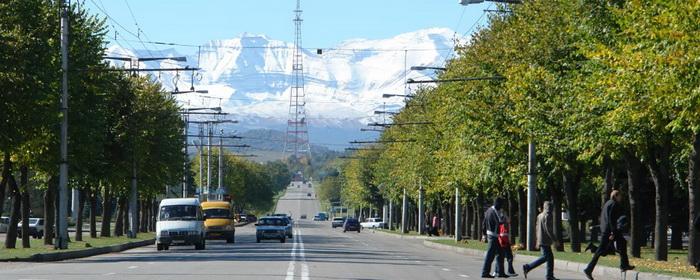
x: 164, y: 233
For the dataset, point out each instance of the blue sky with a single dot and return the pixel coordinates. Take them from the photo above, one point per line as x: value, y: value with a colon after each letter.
x: 326, y: 22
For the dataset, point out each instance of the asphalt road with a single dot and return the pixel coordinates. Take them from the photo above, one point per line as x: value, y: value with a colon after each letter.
x: 316, y: 252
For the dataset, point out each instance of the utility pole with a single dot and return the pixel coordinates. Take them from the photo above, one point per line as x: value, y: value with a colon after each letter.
x: 187, y: 158
x: 201, y: 160
x: 61, y: 241
x: 421, y: 208
x: 531, y: 196
x: 391, y: 214
x: 297, y: 138
x: 133, y: 204
x: 458, y: 217
x: 209, y: 125
x: 220, y: 173
x: 404, y: 213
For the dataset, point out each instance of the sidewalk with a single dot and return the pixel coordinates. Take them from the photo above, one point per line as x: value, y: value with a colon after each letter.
x: 602, y: 272
x: 599, y: 272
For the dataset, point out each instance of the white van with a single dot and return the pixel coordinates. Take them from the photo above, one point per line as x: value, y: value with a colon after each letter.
x: 180, y: 222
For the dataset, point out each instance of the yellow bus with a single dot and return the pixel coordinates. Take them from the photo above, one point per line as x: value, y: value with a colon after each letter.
x: 219, y: 222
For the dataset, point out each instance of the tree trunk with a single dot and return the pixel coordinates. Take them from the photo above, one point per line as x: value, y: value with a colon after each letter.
x: 49, y: 210
x: 635, y: 184
x: 661, y: 176
x: 118, y: 223
x: 470, y: 218
x: 571, y: 182
x: 11, y: 237
x: 677, y: 236
x: 81, y: 210
x: 513, y: 206
x: 144, y: 215
x: 693, y: 192
x: 479, y: 215
x: 106, y: 213
x: 556, y: 203
x: 125, y: 217
x: 522, y: 217
x: 24, y: 188
x: 6, y: 166
x: 92, y: 194
x: 154, y: 212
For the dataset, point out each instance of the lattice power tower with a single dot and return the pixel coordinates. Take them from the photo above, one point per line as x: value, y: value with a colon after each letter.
x: 297, y: 137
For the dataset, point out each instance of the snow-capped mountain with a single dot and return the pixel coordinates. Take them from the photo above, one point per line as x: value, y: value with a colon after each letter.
x: 250, y: 77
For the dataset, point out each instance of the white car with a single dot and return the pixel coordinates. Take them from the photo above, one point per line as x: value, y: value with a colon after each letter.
x: 373, y: 223
x: 36, y: 227
x: 180, y: 222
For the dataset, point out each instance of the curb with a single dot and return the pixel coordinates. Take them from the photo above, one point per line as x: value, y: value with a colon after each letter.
x: 600, y: 271
x: 59, y: 256
x: 407, y: 236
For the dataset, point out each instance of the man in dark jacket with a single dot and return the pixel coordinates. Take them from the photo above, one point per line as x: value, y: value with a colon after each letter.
x: 492, y: 220
x: 612, y: 210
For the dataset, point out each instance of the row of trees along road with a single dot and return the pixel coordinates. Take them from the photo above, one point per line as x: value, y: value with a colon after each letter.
x: 116, y: 121
x: 252, y: 185
x: 608, y: 90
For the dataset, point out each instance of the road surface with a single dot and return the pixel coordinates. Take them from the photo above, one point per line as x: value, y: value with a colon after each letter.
x: 316, y: 252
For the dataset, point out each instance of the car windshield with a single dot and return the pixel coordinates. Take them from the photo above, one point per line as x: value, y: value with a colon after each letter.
x: 378, y: 220
x: 178, y: 212
x: 33, y: 221
x: 338, y: 219
x: 218, y: 213
x: 272, y: 222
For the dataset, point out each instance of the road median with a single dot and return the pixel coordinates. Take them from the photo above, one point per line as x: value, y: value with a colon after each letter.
x: 600, y: 271
x: 47, y: 254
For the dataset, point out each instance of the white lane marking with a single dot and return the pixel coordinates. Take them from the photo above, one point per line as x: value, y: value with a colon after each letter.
x: 293, y: 255
x: 445, y: 269
x: 418, y: 261
x: 108, y: 274
x: 133, y: 266
x: 464, y: 276
x: 304, y: 266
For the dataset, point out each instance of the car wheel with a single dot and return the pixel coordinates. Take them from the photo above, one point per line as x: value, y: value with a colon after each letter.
x: 231, y: 240
x: 282, y: 240
x: 345, y: 230
x: 257, y: 240
x: 200, y: 246
x: 358, y: 231
x: 166, y: 247
x: 159, y: 247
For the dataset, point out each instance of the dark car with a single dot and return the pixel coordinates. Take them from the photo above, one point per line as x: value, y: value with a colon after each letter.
x: 337, y: 222
x: 351, y: 224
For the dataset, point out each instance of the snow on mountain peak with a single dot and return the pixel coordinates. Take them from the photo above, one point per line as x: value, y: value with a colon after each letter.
x: 250, y: 75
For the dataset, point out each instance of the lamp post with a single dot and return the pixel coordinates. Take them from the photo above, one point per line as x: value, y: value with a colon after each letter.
x: 462, y: 79
x: 468, y: 2
x: 421, y: 68
x: 387, y: 95
x: 185, y: 116
x: 204, y: 91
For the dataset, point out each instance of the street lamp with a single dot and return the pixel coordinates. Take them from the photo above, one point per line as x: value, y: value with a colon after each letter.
x: 385, y: 112
x: 421, y: 68
x: 464, y: 79
x: 189, y: 91
x: 387, y: 95
x: 467, y: 2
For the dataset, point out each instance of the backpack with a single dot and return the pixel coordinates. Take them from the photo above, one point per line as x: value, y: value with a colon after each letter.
x: 503, y: 236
